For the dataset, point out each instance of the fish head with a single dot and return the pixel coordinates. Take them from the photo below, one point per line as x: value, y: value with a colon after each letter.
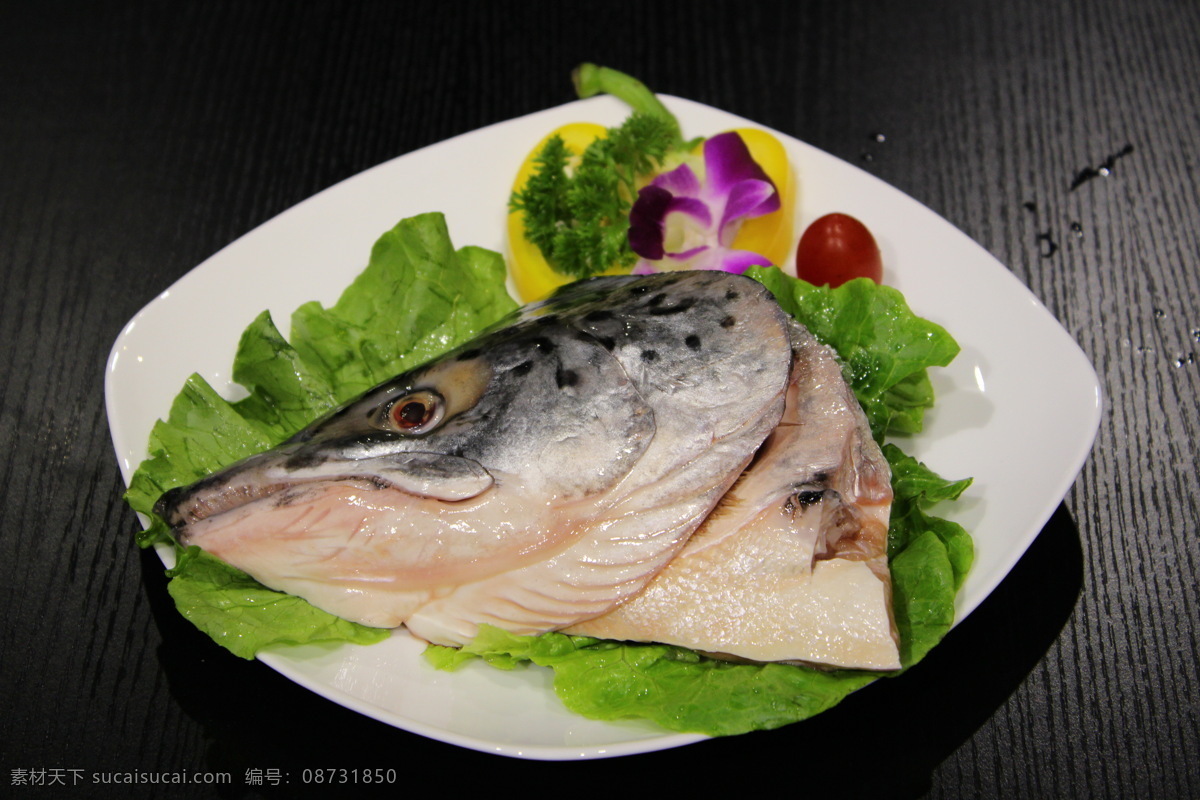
x: 531, y: 477
x: 534, y: 403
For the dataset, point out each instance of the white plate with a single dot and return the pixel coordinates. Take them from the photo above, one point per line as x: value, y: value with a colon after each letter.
x: 1018, y: 409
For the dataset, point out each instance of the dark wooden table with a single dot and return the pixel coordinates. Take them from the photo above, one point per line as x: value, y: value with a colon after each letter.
x: 137, y: 138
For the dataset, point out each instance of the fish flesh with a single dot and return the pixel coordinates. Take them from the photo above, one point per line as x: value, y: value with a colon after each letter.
x: 535, y: 477
x: 792, y: 564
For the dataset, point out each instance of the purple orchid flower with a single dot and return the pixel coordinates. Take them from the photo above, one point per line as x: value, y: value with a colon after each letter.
x: 682, y: 222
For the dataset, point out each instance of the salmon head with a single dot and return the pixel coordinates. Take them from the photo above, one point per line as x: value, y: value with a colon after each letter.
x: 533, y: 477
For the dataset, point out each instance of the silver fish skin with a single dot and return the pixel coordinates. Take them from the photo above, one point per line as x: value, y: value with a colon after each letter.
x: 532, y: 478
x: 792, y: 564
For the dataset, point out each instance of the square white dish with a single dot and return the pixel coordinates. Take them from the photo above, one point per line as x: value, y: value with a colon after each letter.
x: 1018, y: 410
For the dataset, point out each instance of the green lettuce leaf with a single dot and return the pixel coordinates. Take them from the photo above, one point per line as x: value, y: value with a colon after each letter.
x: 916, y: 488
x: 284, y: 389
x: 672, y: 686
x: 885, y: 348
x: 417, y: 297
x: 244, y: 616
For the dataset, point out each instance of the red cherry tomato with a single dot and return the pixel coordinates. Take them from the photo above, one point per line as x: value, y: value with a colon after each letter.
x: 835, y: 249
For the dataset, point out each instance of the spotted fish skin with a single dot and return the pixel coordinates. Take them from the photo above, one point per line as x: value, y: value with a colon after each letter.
x: 530, y: 479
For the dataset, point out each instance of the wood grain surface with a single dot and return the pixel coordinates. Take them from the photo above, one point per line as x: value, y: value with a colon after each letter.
x: 138, y: 138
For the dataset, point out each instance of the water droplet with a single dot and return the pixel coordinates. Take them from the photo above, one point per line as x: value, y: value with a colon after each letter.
x: 1184, y: 360
x: 1047, y: 245
x: 1159, y: 313
x: 878, y: 137
x: 1077, y: 229
x: 1142, y: 349
x: 1196, y: 334
x: 868, y: 157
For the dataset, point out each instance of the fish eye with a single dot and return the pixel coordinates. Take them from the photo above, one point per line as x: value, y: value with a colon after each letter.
x: 417, y: 412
